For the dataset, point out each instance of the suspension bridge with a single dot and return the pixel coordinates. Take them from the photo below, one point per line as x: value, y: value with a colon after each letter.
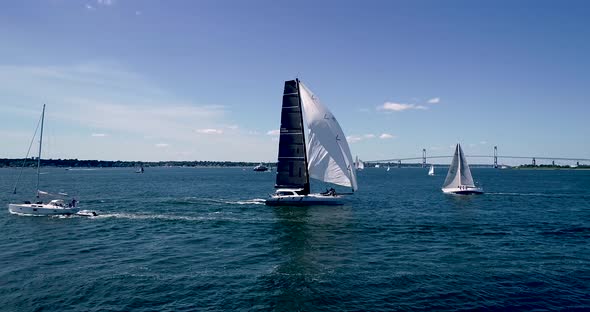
x: 494, y: 158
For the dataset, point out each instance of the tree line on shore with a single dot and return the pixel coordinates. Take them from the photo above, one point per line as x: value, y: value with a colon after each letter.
x: 80, y: 163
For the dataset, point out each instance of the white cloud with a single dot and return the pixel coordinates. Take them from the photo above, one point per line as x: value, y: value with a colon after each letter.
x: 399, y: 107
x: 105, y: 2
x: 89, y: 7
x: 160, y: 145
x: 435, y: 100
x: 98, y: 135
x: 357, y: 138
x: 274, y: 132
x: 353, y: 138
x: 210, y: 131
x: 386, y: 136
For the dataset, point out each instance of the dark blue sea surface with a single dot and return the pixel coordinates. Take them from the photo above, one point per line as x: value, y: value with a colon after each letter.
x: 201, y: 239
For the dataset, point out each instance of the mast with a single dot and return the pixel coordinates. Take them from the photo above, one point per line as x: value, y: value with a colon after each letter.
x: 40, y: 144
x: 306, y: 188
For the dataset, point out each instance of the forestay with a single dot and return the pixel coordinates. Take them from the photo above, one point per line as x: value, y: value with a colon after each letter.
x: 459, y: 172
x: 328, y: 154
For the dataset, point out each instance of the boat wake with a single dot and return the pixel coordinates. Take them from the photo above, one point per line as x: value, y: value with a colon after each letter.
x: 134, y: 216
x: 255, y: 201
x: 217, y: 216
x: 218, y: 201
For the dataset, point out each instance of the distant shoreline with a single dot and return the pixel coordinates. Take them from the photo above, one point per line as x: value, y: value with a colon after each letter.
x: 76, y: 163
x: 551, y: 168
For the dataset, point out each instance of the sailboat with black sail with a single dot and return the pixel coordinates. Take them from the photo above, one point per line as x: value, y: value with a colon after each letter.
x: 324, y: 156
x: 55, y: 206
x: 459, y: 179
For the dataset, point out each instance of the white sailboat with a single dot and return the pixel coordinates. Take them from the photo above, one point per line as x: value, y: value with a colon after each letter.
x: 358, y: 164
x: 388, y: 168
x: 52, y: 207
x: 431, y: 170
x: 325, y: 155
x: 459, y: 179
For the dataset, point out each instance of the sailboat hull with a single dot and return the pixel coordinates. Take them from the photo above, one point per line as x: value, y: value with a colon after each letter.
x: 306, y: 200
x: 41, y: 209
x: 463, y: 191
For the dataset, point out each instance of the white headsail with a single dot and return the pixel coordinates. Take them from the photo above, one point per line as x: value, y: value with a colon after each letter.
x: 329, y: 157
x: 459, y: 173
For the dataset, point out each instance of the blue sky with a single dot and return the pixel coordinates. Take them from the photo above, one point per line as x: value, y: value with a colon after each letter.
x: 202, y: 80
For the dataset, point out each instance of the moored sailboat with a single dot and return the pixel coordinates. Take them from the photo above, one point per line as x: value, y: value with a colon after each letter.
x: 52, y: 207
x: 325, y: 155
x: 459, y: 179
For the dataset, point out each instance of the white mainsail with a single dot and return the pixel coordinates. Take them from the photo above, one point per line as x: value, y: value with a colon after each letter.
x: 431, y: 170
x: 328, y: 154
x: 359, y: 165
x: 459, y: 173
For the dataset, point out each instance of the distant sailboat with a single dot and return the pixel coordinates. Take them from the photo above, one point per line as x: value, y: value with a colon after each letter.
x: 140, y: 170
x: 459, y: 179
x: 388, y: 168
x: 54, y: 206
x: 431, y: 170
x: 358, y: 164
x: 325, y: 155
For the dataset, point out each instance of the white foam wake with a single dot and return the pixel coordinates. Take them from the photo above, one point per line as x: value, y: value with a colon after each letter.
x: 255, y: 201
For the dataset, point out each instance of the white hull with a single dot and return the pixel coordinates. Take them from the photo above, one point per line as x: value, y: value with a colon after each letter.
x: 41, y: 209
x: 465, y: 190
x: 305, y: 200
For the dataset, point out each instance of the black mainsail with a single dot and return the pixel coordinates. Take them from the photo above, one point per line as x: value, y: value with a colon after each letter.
x: 292, y: 160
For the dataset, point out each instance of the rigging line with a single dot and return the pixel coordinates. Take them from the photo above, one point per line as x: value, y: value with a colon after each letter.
x: 27, y: 156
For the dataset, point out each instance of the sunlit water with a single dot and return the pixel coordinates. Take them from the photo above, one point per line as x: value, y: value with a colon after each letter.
x: 186, y: 239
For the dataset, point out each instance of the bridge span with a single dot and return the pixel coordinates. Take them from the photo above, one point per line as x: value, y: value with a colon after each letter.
x: 493, y: 157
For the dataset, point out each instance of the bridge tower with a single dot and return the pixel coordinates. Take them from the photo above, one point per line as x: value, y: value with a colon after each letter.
x: 495, y: 157
x: 423, y: 158
x: 534, y: 162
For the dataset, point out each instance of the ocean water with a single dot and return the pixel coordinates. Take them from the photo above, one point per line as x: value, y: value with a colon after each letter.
x: 201, y: 239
